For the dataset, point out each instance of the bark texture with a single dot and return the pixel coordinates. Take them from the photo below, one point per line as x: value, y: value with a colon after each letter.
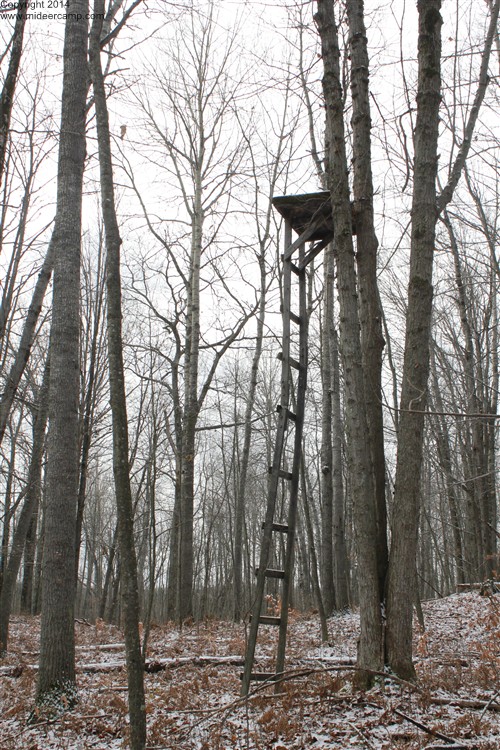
x: 9, y: 84
x: 57, y: 644
x: 370, y: 313
x: 358, y: 445
x: 402, y: 562
x: 123, y: 493
x: 327, y: 498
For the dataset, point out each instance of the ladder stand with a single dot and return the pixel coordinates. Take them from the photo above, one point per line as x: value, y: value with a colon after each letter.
x: 310, y: 216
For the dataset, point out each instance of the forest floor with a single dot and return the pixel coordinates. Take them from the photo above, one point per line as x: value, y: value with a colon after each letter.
x: 192, y: 688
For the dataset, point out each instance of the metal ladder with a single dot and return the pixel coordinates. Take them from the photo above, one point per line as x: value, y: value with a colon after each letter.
x: 312, y: 225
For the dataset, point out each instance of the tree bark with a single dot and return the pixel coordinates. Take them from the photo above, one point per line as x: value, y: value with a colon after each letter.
x: 9, y: 85
x: 124, y: 504
x: 358, y: 445
x: 370, y: 313
x: 191, y: 411
x: 57, y: 641
x: 340, y: 558
x: 401, y: 579
x: 327, y: 498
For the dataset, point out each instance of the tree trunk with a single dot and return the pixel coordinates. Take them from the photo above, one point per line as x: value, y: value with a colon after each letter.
x: 29, y: 558
x: 9, y: 85
x: 57, y: 640
x: 27, y: 337
x: 358, y: 445
x: 401, y: 580
x: 124, y: 504
x: 306, y: 493
x: 328, y: 589
x: 239, y: 516
x: 442, y: 439
x: 340, y: 557
x: 370, y: 313
x: 175, y: 532
x: 89, y: 406
x: 191, y: 410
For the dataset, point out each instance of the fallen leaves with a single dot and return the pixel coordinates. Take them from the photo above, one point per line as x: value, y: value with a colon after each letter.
x: 192, y: 688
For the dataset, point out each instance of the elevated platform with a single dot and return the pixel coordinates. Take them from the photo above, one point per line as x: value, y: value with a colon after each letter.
x: 307, y: 211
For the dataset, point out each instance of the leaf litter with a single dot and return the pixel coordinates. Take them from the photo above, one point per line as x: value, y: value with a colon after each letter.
x: 193, y: 679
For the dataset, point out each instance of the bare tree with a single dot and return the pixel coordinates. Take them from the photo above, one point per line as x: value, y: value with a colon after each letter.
x: 400, y: 593
x: 199, y: 97
x: 56, y: 678
x: 426, y: 207
x: 124, y: 504
x: 358, y: 445
x: 9, y: 84
x: 370, y: 312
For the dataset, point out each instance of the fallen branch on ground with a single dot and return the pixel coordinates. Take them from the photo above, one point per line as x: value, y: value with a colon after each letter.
x: 433, y: 732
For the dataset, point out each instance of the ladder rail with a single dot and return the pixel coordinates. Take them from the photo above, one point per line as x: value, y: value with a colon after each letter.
x: 297, y: 456
x: 273, y: 483
x: 277, y: 472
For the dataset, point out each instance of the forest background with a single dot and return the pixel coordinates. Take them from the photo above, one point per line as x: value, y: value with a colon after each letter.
x: 214, y: 109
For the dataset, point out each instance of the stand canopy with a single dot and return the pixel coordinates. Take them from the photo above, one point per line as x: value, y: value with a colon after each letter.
x: 306, y: 212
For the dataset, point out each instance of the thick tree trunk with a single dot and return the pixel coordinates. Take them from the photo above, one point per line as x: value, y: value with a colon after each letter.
x: 358, y: 445
x: 124, y: 504
x: 370, y: 313
x: 401, y: 579
x: 57, y: 644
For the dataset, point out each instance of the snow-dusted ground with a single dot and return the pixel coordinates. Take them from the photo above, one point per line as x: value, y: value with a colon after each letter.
x: 193, y: 698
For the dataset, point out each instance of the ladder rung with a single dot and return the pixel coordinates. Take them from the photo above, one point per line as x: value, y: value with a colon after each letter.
x: 262, y: 676
x: 293, y: 317
x: 289, y: 414
x: 291, y: 361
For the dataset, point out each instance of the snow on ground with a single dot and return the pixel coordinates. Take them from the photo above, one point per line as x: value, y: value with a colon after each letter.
x: 193, y: 684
